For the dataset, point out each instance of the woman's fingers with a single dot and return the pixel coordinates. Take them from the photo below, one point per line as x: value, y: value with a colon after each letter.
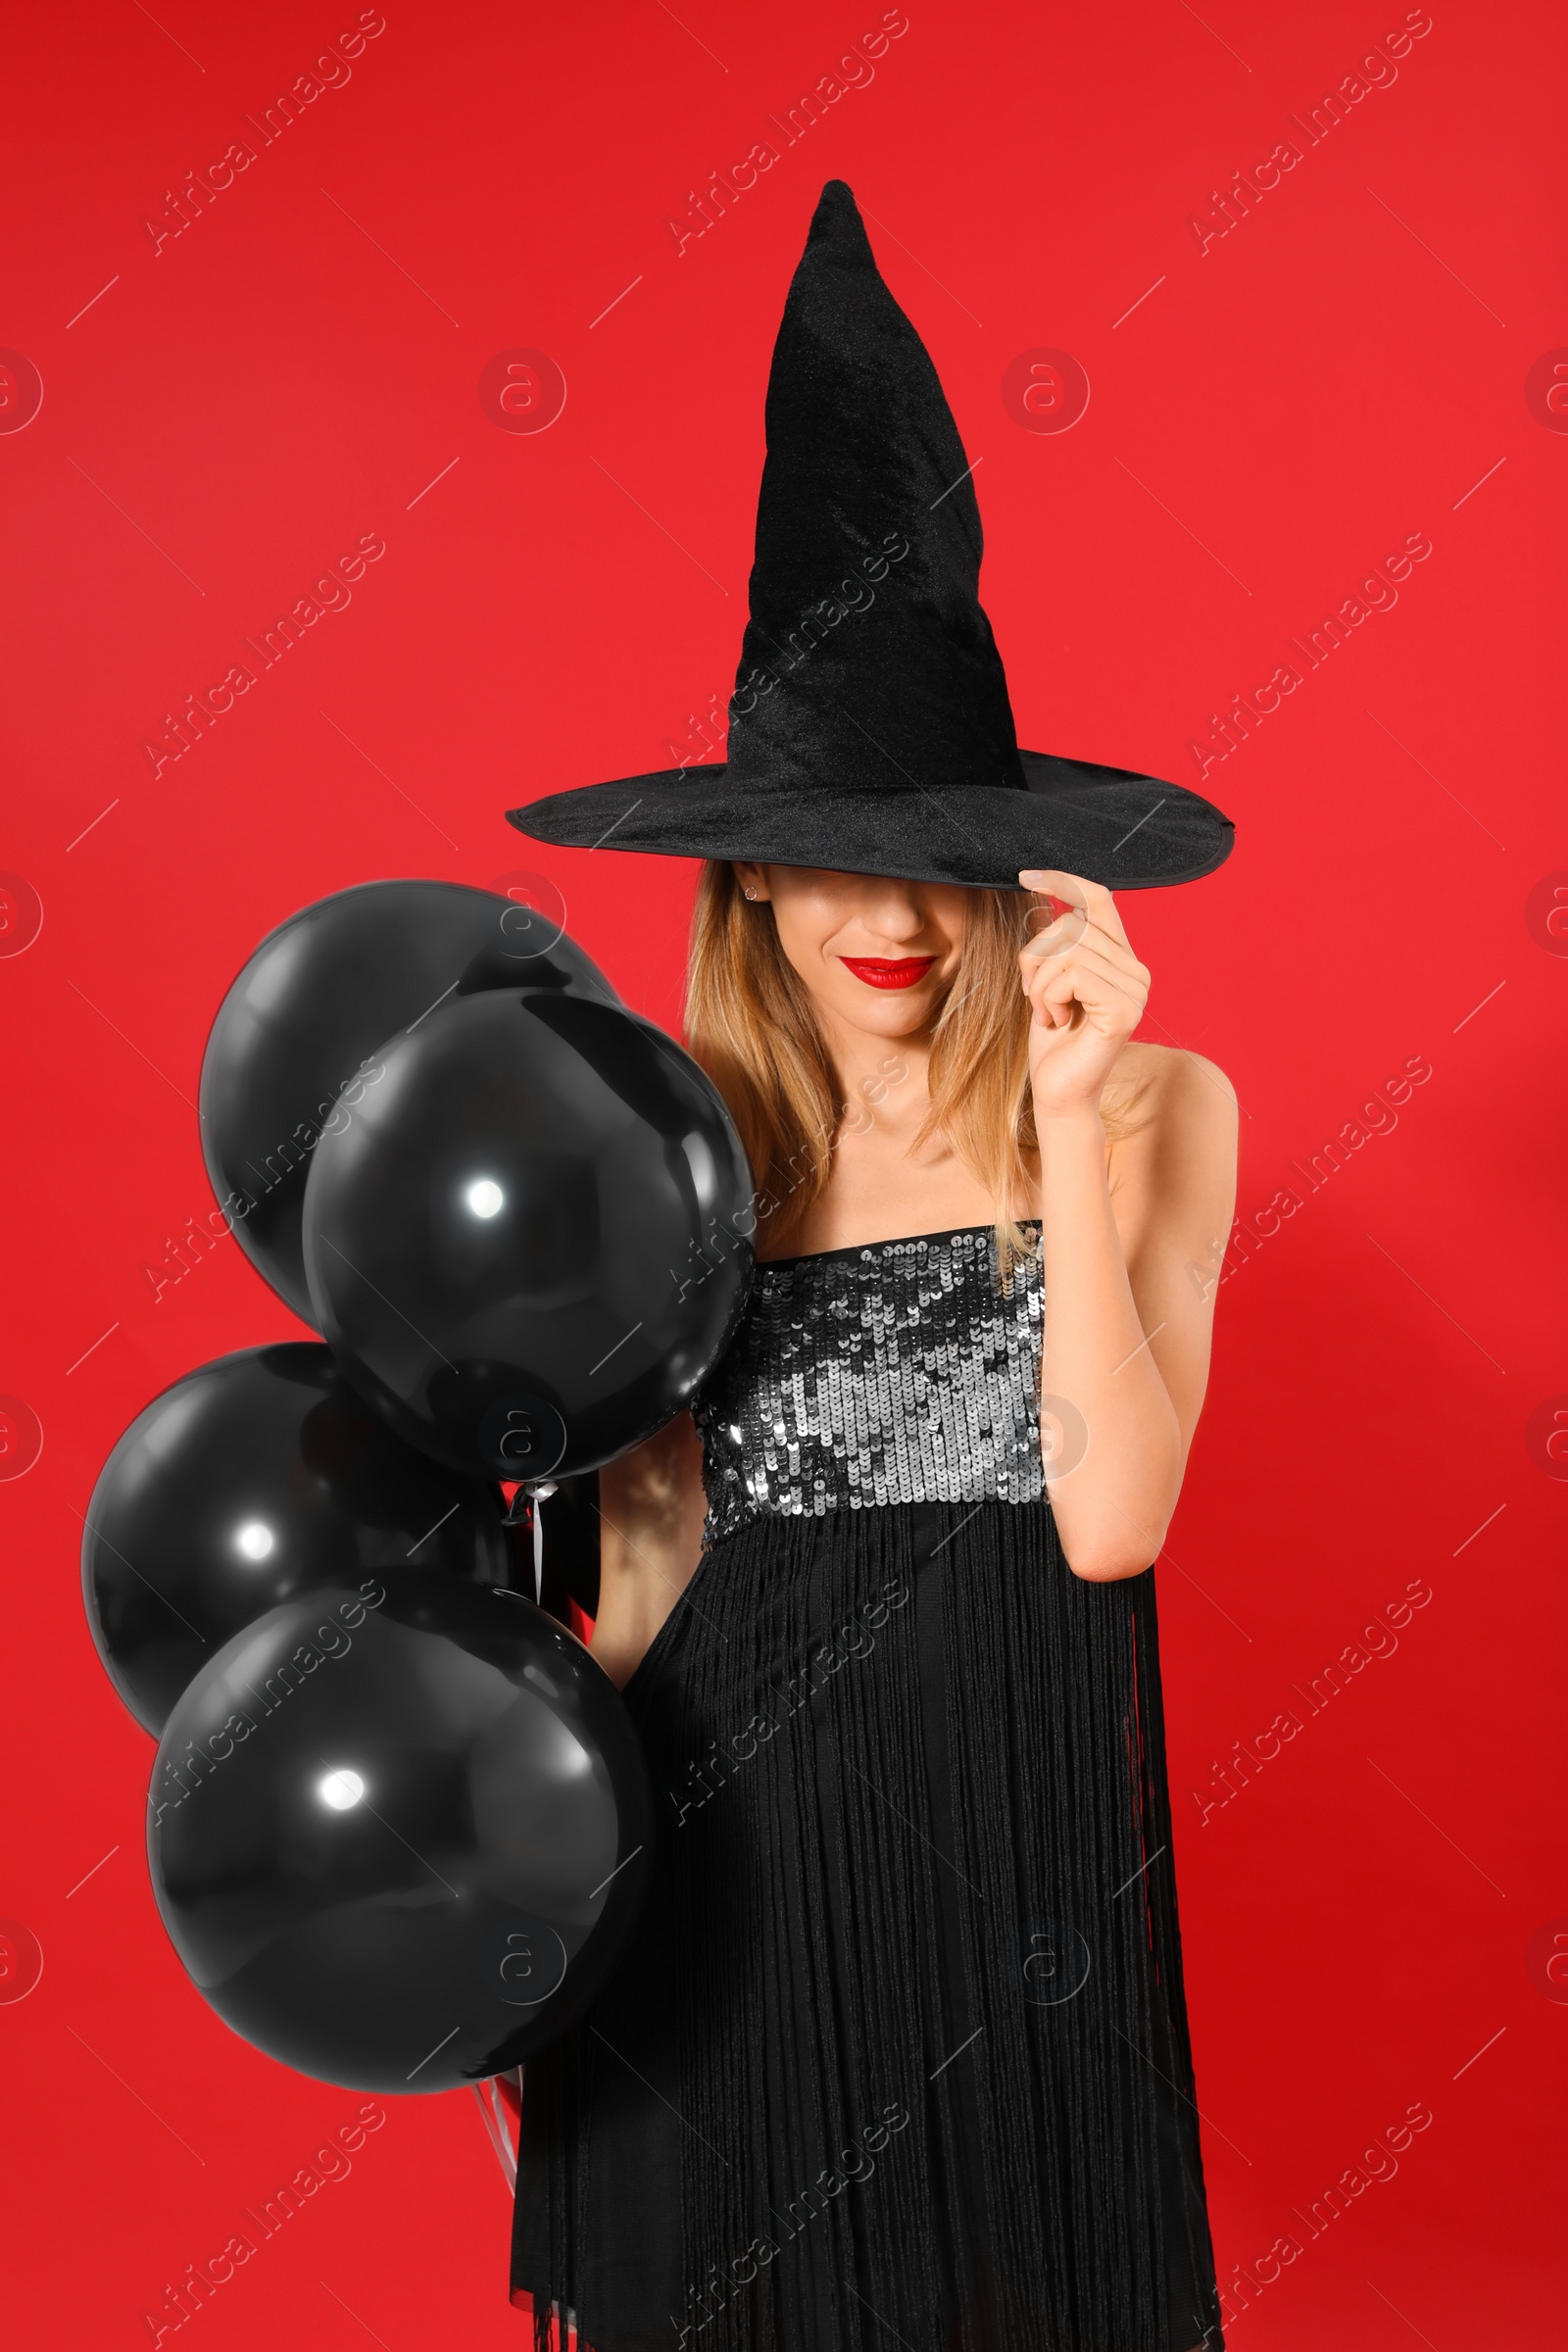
x: 1088, y: 965
x: 1092, y: 899
x: 1115, y: 952
x: 1088, y: 978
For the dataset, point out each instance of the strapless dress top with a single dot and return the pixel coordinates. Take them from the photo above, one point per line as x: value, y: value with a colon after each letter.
x: 897, y: 1372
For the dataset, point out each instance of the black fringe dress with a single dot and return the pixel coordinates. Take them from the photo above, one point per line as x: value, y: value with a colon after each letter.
x: 900, y: 2053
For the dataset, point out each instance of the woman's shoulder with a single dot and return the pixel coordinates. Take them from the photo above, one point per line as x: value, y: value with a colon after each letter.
x: 1160, y: 1091
x: 1167, y: 1066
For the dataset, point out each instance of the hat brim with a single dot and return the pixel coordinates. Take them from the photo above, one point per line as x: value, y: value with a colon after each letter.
x: 1108, y: 824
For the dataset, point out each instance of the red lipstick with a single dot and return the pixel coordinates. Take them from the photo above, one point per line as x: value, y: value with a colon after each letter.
x: 878, y: 971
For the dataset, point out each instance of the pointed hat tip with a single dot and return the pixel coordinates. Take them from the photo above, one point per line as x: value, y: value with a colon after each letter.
x: 837, y: 222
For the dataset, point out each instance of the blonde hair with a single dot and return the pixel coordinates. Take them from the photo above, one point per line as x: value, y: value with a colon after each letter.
x: 750, y: 1023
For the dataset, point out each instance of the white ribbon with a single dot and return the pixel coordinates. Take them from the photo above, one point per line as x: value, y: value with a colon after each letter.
x: 536, y: 1496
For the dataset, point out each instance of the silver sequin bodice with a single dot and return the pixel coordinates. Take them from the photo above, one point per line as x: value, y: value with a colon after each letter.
x: 901, y: 1372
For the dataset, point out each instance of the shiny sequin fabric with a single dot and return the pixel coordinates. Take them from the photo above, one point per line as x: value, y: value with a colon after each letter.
x: 901, y: 1372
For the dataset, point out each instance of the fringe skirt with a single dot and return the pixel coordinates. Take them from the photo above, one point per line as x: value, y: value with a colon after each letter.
x: 900, y: 2053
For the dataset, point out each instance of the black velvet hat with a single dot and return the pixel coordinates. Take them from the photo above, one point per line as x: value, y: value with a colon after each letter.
x: 870, y: 730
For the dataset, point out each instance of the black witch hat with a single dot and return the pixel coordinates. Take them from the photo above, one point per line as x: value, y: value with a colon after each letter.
x: 870, y: 729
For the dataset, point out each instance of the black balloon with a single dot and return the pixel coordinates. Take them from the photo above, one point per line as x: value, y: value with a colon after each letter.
x: 526, y: 1250
x: 303, y: 1022
x: 252, y: 1480
x: 400, y: 1831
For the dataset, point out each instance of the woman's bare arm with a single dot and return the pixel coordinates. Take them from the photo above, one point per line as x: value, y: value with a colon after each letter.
x: 651, y: 1507
x: 1173, y: 1194
x: 1130, y: 1271
x: 1124, y: 1343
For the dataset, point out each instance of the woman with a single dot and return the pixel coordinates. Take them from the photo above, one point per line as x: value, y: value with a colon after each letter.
x: 901, y: 2053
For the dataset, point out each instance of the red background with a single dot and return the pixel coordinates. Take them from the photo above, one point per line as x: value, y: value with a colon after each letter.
x: 1337, y: 373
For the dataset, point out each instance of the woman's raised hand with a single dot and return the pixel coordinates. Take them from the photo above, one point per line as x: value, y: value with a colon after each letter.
x: 1087, y: 991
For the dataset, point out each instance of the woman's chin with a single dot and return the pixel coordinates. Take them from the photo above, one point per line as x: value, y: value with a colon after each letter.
x: 888, y: 1012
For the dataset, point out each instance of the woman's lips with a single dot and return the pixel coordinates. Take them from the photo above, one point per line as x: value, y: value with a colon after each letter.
x: 878, y: 972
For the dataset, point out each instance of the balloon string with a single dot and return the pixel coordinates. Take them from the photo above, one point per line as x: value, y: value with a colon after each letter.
x: 492, y: 2106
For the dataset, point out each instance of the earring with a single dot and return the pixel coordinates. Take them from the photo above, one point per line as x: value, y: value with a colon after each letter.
x: 750, y: 892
